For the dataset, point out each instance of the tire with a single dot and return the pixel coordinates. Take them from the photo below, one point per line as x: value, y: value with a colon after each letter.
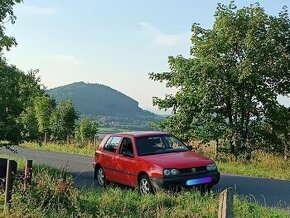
x: 145, y: 186
x: 100, y: 176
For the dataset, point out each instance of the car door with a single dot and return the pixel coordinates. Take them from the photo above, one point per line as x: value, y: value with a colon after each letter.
x: 126, y: 171
x: 108, y: 156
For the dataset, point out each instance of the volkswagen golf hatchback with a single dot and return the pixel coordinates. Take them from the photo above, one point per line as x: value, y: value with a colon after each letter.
x: 152, y: 161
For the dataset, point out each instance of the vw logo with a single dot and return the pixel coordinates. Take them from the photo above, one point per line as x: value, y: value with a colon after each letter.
x: 193, y: 170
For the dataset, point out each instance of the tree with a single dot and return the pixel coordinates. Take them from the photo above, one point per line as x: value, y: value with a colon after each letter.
x: 9, y: 130
x: 17, y: 91
x: 63, y: 119
x: 44, y: 106
x: 37, y: 110
x: 85, y: 130
x: 29, y: 124
x: 230, y: 83
x: 277, y: 130
x: 6, y: 12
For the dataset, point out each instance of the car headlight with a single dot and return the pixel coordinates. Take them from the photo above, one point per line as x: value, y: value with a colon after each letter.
x: 166, y: 172
x: 171, y: 172
x: 174, y: 172
x: 211, y: 167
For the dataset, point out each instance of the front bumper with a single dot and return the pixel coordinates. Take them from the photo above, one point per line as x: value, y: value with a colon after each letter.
x: 186, y: 181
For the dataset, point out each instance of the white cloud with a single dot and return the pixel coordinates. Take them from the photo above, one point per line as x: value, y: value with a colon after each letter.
x: 163, y: 39
x: 64, y: 58
x: 39, y: 11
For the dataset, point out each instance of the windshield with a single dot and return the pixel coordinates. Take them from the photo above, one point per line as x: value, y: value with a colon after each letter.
x: 148, y: 145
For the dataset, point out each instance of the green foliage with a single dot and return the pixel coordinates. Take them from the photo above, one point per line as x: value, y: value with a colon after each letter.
x: 228, y: 88
x: 17, y: 91
x: 6, y: 12
x: 86, y: 130
x: 62, y: 121
x: 277, y: 127
x: 50, y: 195
x: 29, y: 124
x: 43, y: 106
x: 35, y: 118
x: 10, y: 105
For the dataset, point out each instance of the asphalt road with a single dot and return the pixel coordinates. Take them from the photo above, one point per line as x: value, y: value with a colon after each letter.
x: 267, y: 192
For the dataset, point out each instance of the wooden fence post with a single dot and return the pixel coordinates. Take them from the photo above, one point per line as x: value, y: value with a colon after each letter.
x: 11, y: 169
x: 67, y: 140
x: 28, y: 174
x: 226, y: 204
x: 95, y: 140
x: 217, y: 148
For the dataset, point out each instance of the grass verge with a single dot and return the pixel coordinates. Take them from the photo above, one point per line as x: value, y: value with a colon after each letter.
x: 265, y: 165
x: 52, y: 194
x: 62, y: 148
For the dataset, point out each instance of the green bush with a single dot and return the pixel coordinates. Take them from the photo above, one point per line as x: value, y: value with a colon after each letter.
x: 86, y: 130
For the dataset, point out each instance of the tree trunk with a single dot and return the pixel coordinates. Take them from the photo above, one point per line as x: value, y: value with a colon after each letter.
x: 67, y: 140
x: 230, y: 116
x: 217, y: 148
x: 286, y: 154
x: 45, y: 139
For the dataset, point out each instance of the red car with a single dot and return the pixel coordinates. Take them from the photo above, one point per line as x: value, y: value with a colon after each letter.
x: 152, y: 161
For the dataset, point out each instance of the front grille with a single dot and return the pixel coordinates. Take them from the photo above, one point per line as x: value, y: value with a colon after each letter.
x: 187, y: 171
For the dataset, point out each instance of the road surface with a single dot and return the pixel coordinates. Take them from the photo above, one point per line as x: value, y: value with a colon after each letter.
x: 267, y: 192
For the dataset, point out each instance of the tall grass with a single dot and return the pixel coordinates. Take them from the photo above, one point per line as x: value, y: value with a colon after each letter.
x: 52, y: 194
x: 262, y: 164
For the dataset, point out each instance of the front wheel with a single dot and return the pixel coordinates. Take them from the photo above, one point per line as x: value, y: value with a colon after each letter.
x: 145, y: 186
x: 100, y: 176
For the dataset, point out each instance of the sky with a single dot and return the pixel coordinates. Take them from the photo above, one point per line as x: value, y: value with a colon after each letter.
x: 111, y: 42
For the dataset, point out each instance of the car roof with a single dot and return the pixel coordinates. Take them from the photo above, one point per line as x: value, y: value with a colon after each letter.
x: 142, y: 133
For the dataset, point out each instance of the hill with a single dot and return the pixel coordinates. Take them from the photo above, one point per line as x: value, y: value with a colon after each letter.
x: 100, y: 100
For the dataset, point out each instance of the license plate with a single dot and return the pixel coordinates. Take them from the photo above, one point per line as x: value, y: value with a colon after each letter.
x: 198, y: 181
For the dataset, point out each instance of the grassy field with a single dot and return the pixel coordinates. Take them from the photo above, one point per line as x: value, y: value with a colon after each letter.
x: 112, y: 129
x: 63, y: 148
x: 263, y: 164
x: 53, y: 196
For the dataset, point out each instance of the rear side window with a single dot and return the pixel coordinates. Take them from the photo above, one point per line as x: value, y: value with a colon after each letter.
x: 112, y: 143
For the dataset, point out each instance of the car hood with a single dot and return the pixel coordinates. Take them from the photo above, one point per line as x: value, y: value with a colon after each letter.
x: 177, y: 160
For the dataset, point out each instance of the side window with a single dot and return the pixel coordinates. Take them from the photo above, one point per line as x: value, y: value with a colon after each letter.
x: 112, y: 144
x: 156, y: 142
x: 126, y: 146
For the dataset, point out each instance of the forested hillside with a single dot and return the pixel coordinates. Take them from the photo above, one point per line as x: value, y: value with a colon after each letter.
x: 97, y: 99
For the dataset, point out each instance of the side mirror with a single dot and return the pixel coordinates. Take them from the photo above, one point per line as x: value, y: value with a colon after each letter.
x: 127, y: 154
x: 189, y: 147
